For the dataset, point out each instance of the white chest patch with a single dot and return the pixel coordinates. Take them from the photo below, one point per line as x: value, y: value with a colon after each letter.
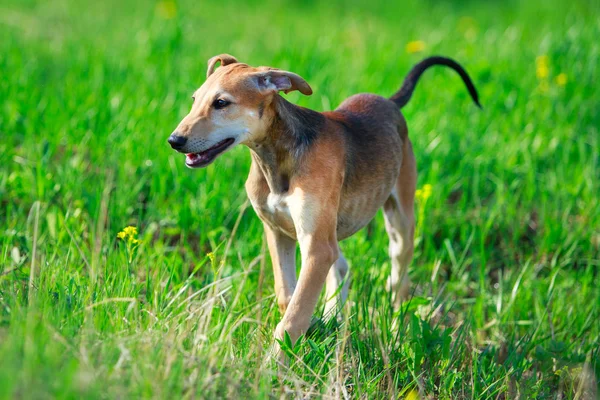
x: 277, y: 204
x: 288, y: 213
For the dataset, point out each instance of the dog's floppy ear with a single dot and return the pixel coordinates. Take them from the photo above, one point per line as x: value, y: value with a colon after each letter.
x: 276, y: 80
x: 224, y: 59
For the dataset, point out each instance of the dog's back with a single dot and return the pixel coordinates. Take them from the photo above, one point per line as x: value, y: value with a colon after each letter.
x: 372, y: 130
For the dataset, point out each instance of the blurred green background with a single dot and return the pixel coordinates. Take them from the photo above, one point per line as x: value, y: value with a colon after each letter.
x: 506, y: 295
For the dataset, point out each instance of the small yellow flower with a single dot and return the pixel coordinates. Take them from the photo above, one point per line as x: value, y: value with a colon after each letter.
x: 541, y: 67
x: 129, y: 234
x: 130, y: 231
x: 541, y: 72
x: 415, y: 46
x: 424, y: 193
x: 413, y: 395
x: 166, y: 9
x: 561, y: 79
x: 427, y: 189
x: 211, y: 256
x: 421, y: 195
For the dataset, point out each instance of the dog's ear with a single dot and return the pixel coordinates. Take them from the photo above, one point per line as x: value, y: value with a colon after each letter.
x: 224, y: 59
x: 276, y: 80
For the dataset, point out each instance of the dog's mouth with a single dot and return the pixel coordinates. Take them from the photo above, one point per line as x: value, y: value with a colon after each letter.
x: 202, y: 159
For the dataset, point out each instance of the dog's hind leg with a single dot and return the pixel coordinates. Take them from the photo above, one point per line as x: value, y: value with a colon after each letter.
x: 400, y: 225
x: 336, y: 287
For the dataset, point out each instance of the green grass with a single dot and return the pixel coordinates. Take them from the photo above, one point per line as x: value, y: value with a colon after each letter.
x: 506, y: 289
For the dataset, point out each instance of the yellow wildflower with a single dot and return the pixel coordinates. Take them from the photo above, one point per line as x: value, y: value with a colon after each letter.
x: 166, y: 9
x: 413, y: 395
x: 541, y: 67
x: 561, y: 79
x: 422, y: 195
x: 415, y: 46
x: 425, y: 193
x: 130, y: 231
x: 427, y: 189
x: 129, y: 234
x: 211, y: 256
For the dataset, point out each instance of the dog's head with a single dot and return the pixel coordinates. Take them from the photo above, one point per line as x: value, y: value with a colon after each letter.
x: 231, y: 107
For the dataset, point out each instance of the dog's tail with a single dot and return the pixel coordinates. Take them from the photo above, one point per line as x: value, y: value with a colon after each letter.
x: 403, y: 95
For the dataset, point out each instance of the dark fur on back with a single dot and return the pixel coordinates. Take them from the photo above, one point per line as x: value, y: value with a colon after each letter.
x: 358, y: 137
x: 299, y: 123
x: 371, y: 126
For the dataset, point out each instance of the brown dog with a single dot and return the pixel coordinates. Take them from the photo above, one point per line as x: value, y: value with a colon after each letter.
x: 316, y: 178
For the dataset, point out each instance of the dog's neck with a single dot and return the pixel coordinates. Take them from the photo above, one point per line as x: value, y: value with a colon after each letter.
x: 279, y: 153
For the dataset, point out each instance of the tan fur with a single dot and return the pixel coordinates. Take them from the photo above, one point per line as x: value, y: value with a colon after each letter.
x: 315, y: 178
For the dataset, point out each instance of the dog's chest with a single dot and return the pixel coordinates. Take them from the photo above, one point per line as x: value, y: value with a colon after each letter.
x: 274, y: 209
x: 277, y: 206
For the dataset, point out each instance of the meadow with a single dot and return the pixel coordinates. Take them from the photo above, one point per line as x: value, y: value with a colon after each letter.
x: 505, y: 299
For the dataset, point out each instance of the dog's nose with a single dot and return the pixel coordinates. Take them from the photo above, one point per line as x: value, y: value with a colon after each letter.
x: 177, y: 142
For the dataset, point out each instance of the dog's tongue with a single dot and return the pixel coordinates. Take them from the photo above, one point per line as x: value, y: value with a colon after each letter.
x: 192, y: 156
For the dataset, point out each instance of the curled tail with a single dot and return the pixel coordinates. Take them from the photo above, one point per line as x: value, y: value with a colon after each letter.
x: 403, y: 95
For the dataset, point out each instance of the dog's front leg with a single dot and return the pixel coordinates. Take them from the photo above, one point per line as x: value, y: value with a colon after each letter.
x: 317, y: 257
x: 316, y: 231
x: 283, y: 256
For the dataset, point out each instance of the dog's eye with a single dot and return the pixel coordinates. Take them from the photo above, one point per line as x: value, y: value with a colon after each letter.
x: 220, y: 103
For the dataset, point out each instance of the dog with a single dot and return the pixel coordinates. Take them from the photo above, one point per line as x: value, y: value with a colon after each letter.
x: 315, y: 178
